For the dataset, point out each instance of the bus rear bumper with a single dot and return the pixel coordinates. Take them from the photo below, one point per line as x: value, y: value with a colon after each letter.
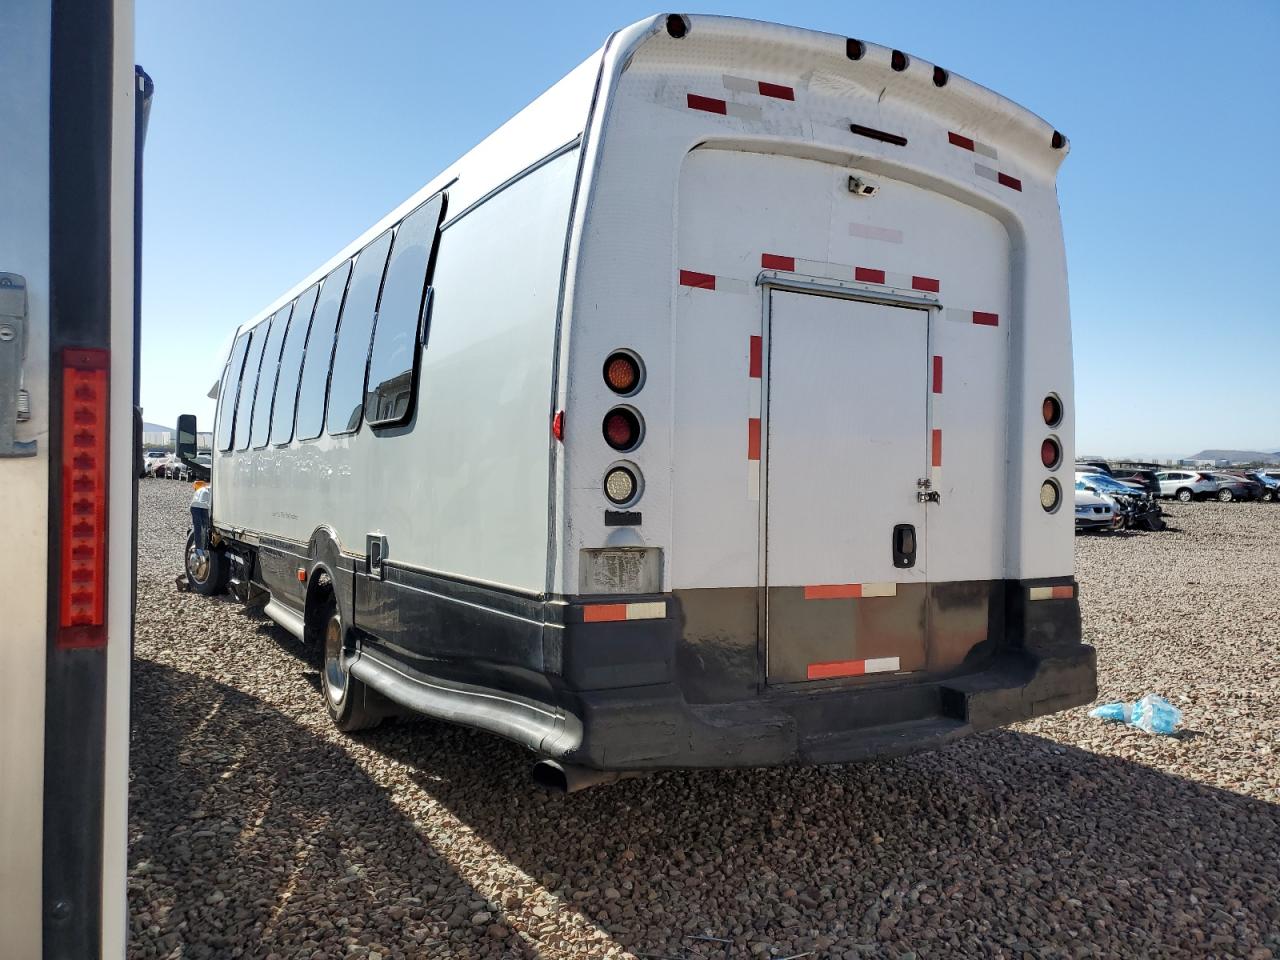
x: 648, y: 727
x: 1043, y: 668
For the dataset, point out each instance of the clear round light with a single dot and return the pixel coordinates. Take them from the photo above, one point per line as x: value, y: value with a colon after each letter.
x: 1050, y: 496
x: 619, y: 485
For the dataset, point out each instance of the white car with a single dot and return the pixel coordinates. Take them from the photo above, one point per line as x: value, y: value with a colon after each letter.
x: 1093, y: 512
x: 1187, y: 485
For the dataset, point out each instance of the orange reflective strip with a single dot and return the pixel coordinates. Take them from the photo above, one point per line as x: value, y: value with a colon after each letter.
x: 836, y: 668
x: 832, y: 591
x: 603, y: 612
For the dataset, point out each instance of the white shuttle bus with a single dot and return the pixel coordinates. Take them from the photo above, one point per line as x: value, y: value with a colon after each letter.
x: 716, y: 410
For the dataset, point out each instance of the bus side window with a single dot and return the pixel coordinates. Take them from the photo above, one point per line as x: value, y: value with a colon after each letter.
x: 393, y: 358
x: 319, y: 353
x: 351, y: 353
x: 229, y: 390
x: 267, y: 379
x: 249, y: 383
x: 295, y: 342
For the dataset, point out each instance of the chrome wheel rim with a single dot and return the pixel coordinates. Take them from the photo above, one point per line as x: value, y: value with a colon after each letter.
x: 197, y: 564
x: 335, y: 677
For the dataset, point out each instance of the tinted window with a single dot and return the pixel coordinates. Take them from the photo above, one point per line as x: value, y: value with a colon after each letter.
x: 230, y: 390
x: 249, y: 383
x: 315, y: 365
x: 389, y: 393
x: 351, y: 354
x: 267, y: 379
x: 295, y: 341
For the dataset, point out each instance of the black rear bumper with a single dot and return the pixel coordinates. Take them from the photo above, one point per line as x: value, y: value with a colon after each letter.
x: 1041, y: 668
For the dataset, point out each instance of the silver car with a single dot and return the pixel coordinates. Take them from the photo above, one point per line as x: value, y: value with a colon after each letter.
x: 1187, y: 485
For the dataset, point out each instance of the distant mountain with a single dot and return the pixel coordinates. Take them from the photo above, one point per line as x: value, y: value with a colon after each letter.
x: 1237, y: 456
x: 155, y: 428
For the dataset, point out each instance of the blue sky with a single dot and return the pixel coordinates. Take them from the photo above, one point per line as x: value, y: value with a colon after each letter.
x: 281, y: 130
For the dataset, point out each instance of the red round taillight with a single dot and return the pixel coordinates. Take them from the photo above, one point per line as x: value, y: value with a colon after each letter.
x: 1050, y: 453
x: 621, y: 428
x: 622, y: 373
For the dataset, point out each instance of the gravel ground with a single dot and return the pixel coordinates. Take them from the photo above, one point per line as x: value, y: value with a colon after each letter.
x: 258, y: 831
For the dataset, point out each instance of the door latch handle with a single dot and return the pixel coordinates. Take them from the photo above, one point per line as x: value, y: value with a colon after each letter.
x: 904, y: 545
x: 928, y: 496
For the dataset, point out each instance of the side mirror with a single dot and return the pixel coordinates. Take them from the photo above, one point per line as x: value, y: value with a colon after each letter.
x: 187, y: 437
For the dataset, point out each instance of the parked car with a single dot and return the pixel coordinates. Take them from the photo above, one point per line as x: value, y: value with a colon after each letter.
x: 1134, y: 507
x: 1093, y: 512
x: 1093, y: 466
x: 1270, y: 485
x: 1187, y: 485
x: 149, y: 460
x: 1234, y: 487
x: 168, y: 467
x: 1146, y: 479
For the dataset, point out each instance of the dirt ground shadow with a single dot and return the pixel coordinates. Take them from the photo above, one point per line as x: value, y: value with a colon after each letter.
x: 252, y: 836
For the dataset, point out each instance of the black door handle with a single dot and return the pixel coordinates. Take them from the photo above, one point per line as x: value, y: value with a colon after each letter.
x: 904, y: 545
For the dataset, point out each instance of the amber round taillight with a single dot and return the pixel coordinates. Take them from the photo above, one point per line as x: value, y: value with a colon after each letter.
x: 1051, y: 410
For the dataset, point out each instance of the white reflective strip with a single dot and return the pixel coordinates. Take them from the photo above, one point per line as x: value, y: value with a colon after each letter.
x: 869, y: 232
x: 880, y: 590
x: 754, y: 397
x: 743, y: 111
x: 985, y: 150
x: 730, y: 285
x: 881, y: 664
x: 753, y: 479
x: 987, y: 172
x: 1042, y: 593
x: 957, y: 315
x: 820, y: 268
x: 935, y: 478
x: 740, y: 84
x: 654, y: 610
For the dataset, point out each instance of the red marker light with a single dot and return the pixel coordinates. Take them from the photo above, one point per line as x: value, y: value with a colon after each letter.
x: 1050, y: 453
x: 83, y: 590
x: 621, y: 429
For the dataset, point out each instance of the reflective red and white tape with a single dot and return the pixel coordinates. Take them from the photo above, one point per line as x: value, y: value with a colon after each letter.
x: 614, y: 612
x: 849, y: 591
x: 755, y: 408
x: 833, y: 669
x: 1051, y: 593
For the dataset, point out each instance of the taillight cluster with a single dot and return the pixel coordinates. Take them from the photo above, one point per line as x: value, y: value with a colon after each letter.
x: 623, y: 427
x: 1051, y: 453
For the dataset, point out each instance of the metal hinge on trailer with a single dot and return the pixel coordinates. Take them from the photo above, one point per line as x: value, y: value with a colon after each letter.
x: 925, y: 492
x: 15, y: 403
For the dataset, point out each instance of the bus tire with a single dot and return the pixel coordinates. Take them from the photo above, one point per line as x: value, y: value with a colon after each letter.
x: 208, y: 575
x: 352, y: 705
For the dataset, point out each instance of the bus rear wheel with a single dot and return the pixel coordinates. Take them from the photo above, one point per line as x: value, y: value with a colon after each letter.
x: 352, y: 705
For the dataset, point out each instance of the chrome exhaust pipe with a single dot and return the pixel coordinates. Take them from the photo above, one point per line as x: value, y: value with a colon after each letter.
x: 570, y: 778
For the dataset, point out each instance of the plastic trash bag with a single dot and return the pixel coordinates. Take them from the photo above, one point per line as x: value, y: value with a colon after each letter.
x: 1153, y: 713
